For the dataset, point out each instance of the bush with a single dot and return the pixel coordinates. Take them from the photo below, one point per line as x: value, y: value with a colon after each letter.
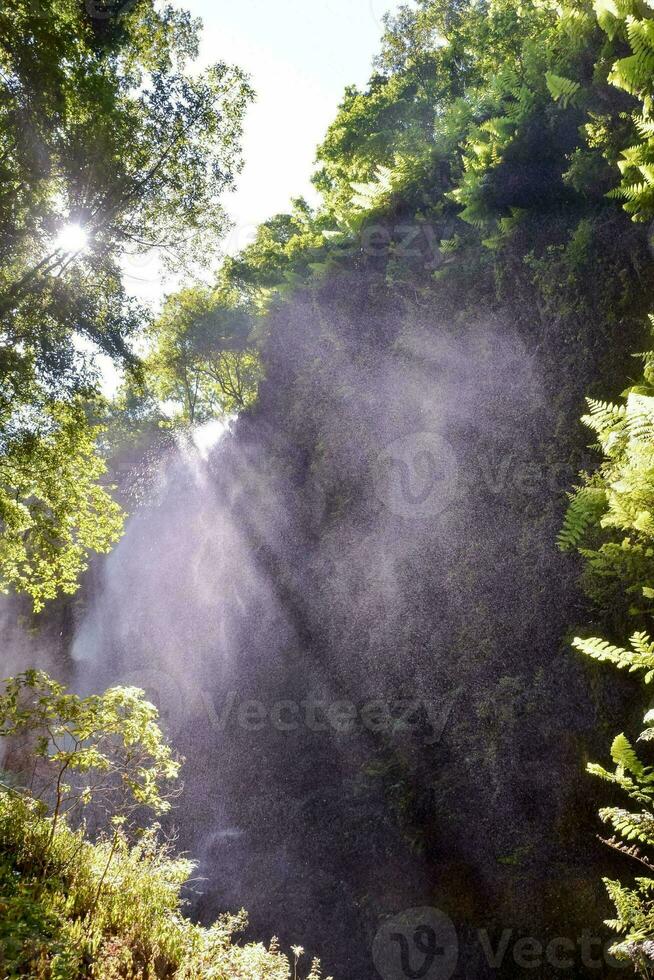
x: 62, y: 916
x: 108, y: 907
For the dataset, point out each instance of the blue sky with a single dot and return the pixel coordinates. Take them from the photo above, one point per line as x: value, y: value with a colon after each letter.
x: 300, y: 55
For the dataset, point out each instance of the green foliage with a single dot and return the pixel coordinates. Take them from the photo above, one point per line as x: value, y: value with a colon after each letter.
x: 284, y: 253
x: 618, y: 499
x: 53, y: 507
x: 587, y: 504
x: 493, y: 128
x: 104, y: 125
x: 476, y: 113
x: 639, y: 657
x: 110, y: 907
x: 69, y: 906
x: 631, y: 22
x: 489, y: 126
x: 539, y: 49
x: 610, y: 523
x: 370, y: 195
x: 106, y: 750
x: 563, y: 90
x: 201, y: 356
x: 632, y: 834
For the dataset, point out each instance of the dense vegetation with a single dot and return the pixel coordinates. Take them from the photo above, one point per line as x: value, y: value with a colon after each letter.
x: 104, y: 128
x: 109, y: 907
x: 480, y: 262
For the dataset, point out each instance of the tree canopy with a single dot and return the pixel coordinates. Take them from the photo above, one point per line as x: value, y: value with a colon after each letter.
x: 110, y: 144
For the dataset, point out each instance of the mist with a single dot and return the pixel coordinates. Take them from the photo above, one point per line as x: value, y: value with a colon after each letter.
x: 305, y: 629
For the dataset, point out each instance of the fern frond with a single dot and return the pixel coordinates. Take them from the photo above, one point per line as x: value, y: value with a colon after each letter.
x: 607, y: 16
x: 640, y: 657
x: 585, y: 509
x: 630, y: 826
x: 624, y: 756
x: 603, y: 415
x: 563, y: 90
x: 369, y: 195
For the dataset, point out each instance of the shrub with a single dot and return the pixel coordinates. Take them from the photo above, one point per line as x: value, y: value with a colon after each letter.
x: 109, y: 906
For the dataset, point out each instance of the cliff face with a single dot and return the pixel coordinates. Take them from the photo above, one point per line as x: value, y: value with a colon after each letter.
x: 354, y: 616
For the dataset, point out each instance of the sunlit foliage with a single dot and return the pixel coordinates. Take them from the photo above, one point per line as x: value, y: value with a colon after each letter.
x: 202, y: 359
x: 610, y: 521
x: 106, y: 130
x: 53, y: 506
x: 111, y: 905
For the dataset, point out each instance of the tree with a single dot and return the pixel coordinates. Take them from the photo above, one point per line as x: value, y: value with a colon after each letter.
x: 110, y: 905
x: 106, y: 750
x: 110, y: 144
x: 53, y: 508
x: 202, y: 358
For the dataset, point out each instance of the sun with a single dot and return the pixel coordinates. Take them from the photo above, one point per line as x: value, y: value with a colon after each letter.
x: 72, y: 238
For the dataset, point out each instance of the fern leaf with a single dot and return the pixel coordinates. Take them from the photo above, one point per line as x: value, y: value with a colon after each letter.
x: 623, y: 754
x: 640, y: 657
x: 586, y: 507
x: 563, y: 90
